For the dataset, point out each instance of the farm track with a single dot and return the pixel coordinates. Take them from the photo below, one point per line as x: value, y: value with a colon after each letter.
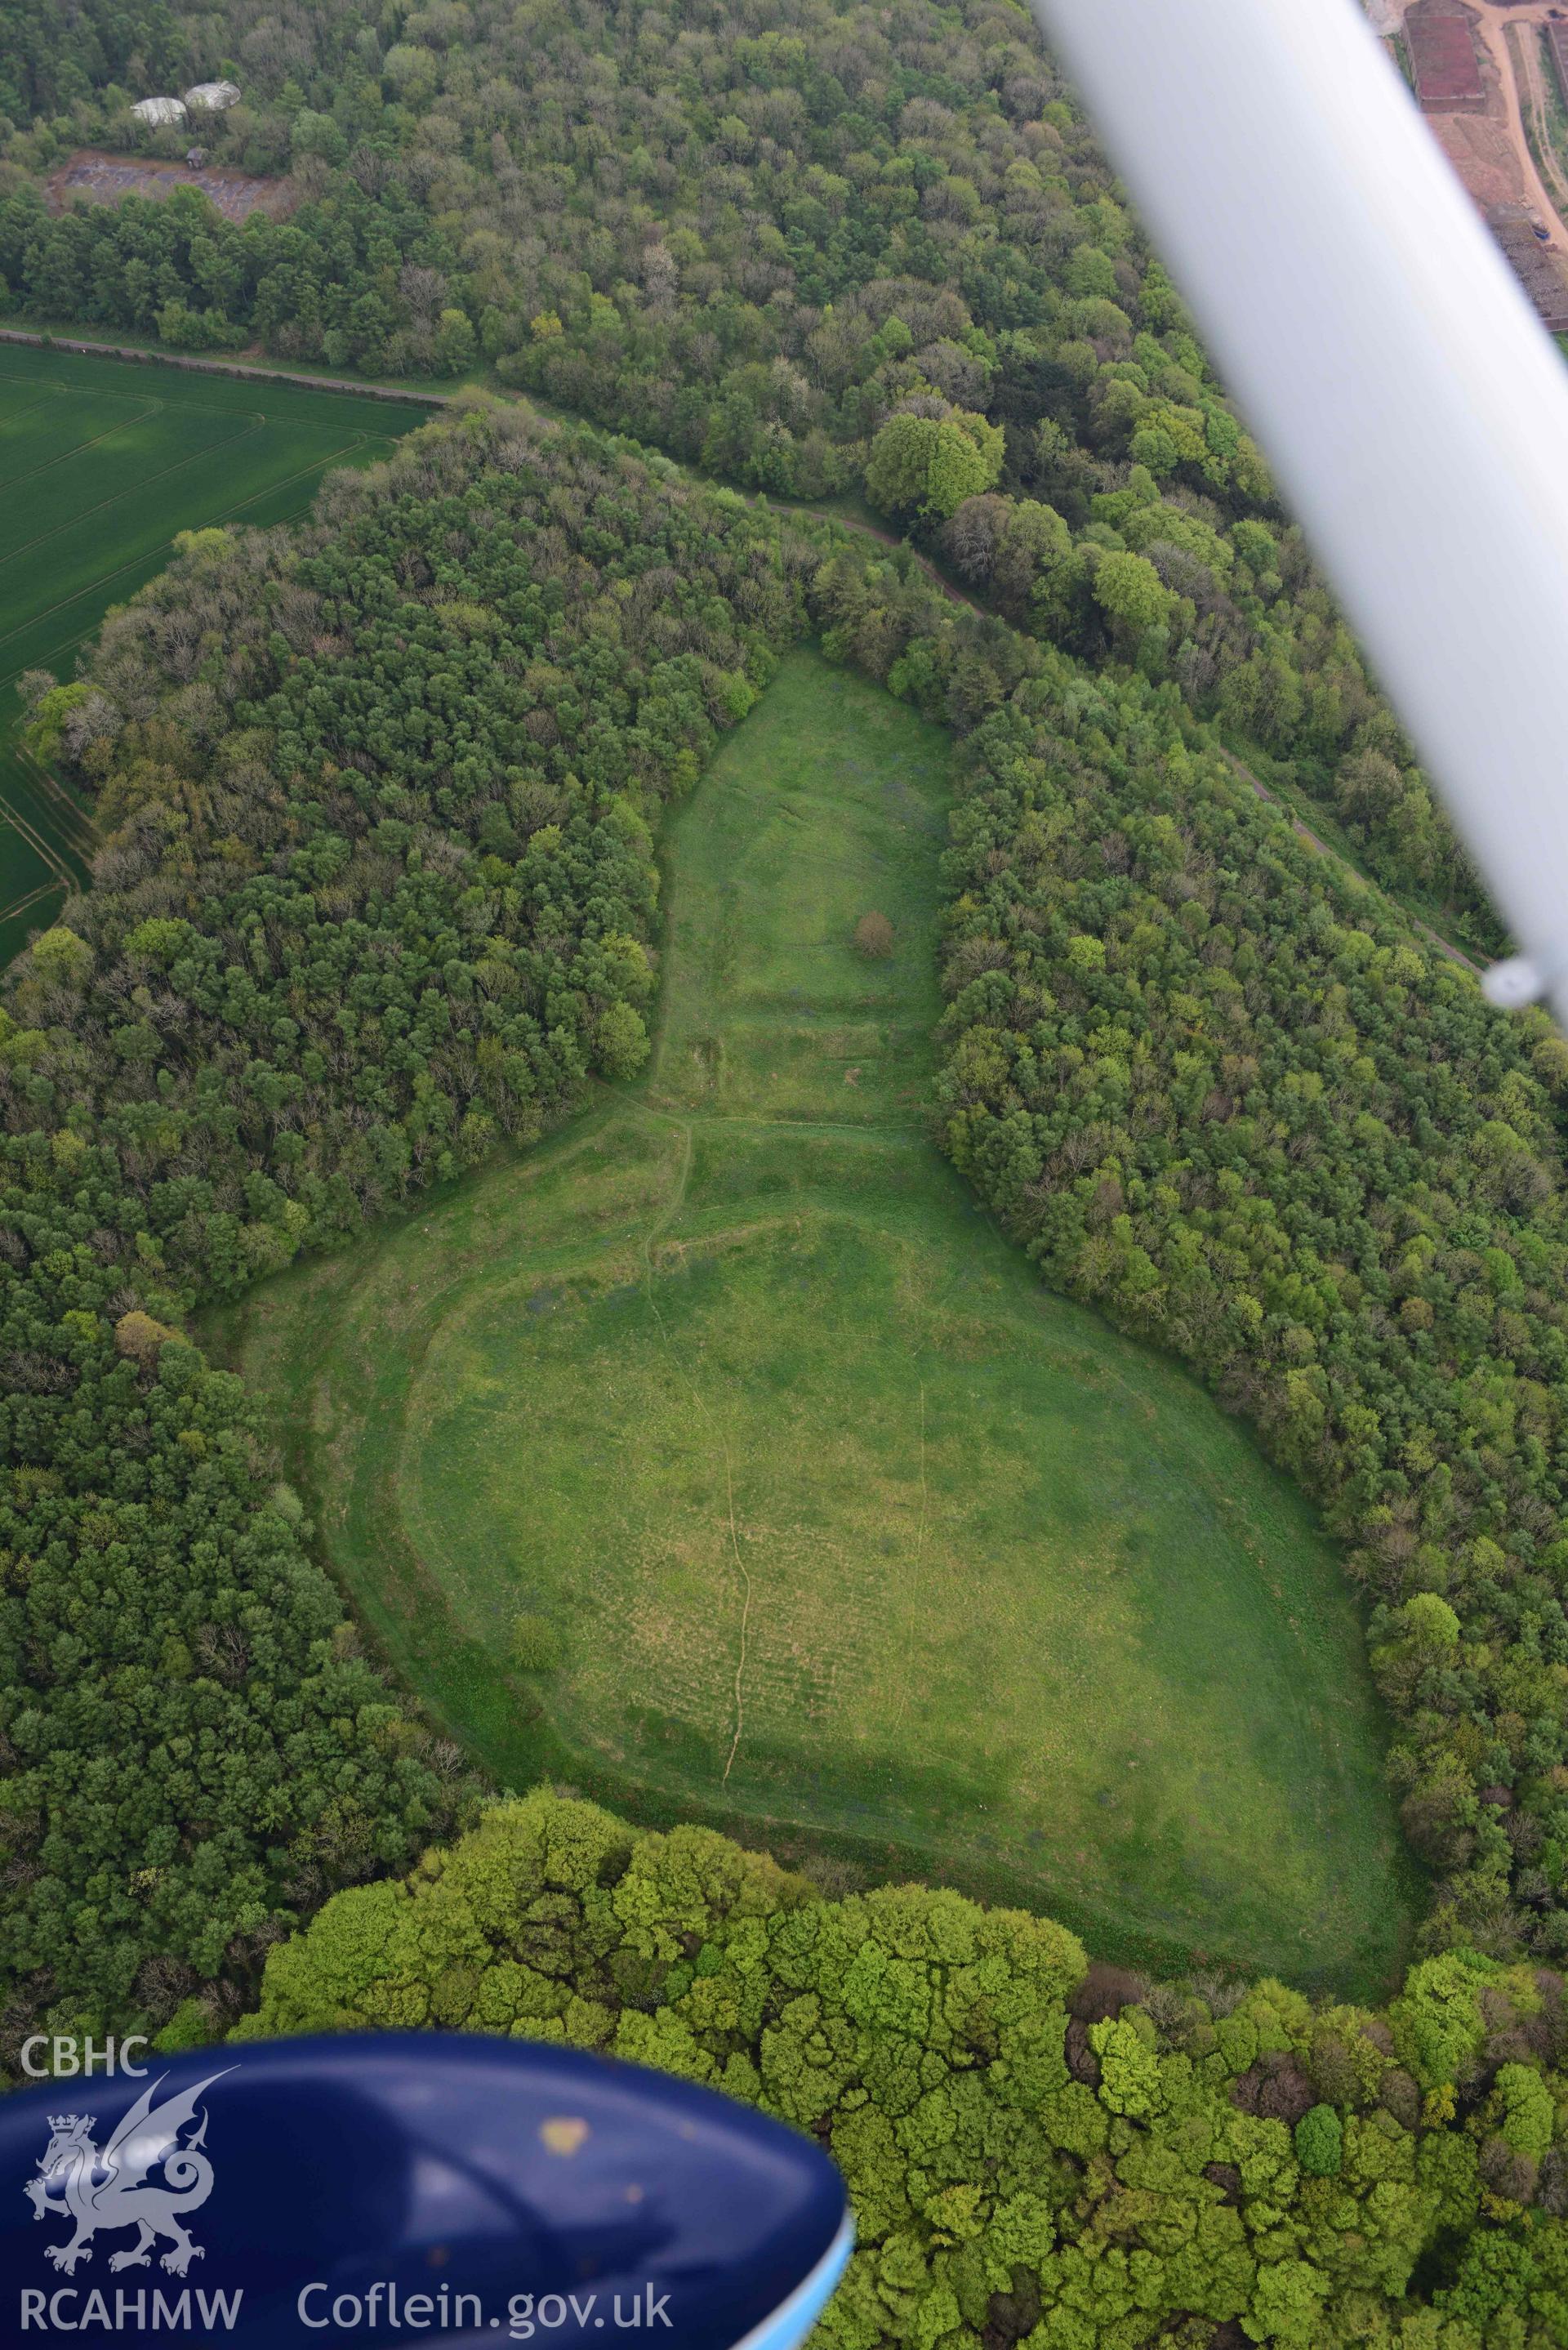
x: 1493, y: 26
x: 1531, y: 75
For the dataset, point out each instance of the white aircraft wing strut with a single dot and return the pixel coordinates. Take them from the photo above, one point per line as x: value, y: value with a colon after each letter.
x: 1415, y: 410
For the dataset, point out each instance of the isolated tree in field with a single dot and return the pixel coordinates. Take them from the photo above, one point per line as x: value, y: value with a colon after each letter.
x: 874, y: 937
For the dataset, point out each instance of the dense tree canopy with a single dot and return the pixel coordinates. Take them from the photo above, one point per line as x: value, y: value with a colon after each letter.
x: 757, y: 236
x: 1232, y: 1098
x: 1037, y: 2149
x: 376, y: 893
x: 379, y: 880
x: 59, y: 55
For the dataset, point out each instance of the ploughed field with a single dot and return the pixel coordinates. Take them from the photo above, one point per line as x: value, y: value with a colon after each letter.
x: 102, y: 463
x: 839, y: 1527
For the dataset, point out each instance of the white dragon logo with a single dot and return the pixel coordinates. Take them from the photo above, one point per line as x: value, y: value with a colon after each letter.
x: 74, y: 2181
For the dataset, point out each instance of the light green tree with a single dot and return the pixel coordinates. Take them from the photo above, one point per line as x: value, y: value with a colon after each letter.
x: 622, y: 1040
x: 1130, y: 590
x: 930, y: 465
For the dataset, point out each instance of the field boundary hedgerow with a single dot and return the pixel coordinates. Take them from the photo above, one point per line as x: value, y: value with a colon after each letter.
x: 136, y: 355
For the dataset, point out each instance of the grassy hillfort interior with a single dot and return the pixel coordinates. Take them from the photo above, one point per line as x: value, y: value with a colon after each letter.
x: 838, y: 1521
x: 774, y: 1296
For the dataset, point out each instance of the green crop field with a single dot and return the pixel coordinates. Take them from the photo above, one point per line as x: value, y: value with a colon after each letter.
x: 102, y: 463
x: 847, y: 1532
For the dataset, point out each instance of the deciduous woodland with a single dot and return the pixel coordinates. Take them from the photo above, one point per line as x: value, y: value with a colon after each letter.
x: 812, y: 247
x: 1038, y: 2149
x: 473, y: 991
x: 103, y: 466
x: 377, y: 896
